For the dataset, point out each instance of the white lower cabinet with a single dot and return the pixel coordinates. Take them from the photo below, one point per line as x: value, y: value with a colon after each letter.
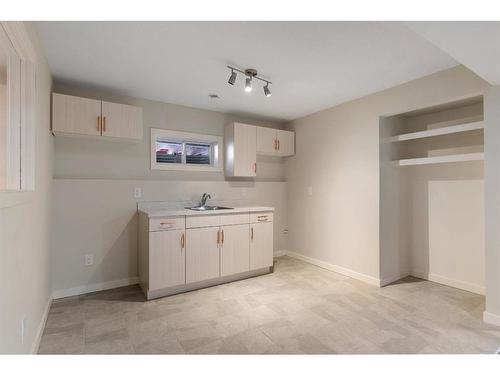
x: 261, y: 245
x: 181, y: 253
x: 235, y: 249
x: 167, y: 259
x: 202, y: 254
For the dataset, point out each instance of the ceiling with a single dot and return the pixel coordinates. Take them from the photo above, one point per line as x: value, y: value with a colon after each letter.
x: 474, y: 44
x: 313, y: 65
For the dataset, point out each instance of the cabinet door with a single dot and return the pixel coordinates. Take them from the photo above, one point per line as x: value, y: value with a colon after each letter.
x: 74, y: 115
x: 261, y: 245
x: 167, y: 259
x: 202, y: 254
x: 286, y: 143
x: 245, y: 150
x: 235, y: 249
x: 121, y: 121
x: 266, y: 141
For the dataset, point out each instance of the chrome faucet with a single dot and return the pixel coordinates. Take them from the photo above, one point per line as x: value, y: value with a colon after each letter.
x: 204, y: 198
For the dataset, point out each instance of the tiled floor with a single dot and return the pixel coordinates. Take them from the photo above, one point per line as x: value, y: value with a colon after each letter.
x: 298, y: 309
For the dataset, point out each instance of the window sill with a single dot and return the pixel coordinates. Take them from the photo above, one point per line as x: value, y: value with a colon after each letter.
x: 187, y: 168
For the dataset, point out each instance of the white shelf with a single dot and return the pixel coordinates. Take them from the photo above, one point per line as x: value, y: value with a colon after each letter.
x: 441, y: 159
x: 438, y: 131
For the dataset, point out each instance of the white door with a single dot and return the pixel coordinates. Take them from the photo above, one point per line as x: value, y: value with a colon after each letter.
x: 266, y: 141
x: 74, y: 115
x: 202, y: 254
x: 121, y: 121
x: 167, y: 259
x: 286, y: 143
x: 235, y: 249
x: 261, y: 245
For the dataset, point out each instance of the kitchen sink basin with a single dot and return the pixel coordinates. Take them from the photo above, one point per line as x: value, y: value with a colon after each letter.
x: 208, y: 208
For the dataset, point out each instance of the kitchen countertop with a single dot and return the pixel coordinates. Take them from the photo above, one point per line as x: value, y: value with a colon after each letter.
x: 164, y: 212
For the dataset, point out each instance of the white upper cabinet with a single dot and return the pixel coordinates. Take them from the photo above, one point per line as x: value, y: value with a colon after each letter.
x: 75, y: 116
x: 266, y: 141
x: 121, y: 121
x: 241, y: 150
x: 286, y: 142
x: 275, y: 142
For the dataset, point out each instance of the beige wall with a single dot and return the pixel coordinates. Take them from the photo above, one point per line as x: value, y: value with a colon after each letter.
x: 492, y: 202
x: 24, y: 234
x: 94, y: 204
x: 83, y: 158
x: 338, y: 156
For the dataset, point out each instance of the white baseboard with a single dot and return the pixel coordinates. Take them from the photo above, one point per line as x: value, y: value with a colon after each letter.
x: 94, y: 287
x: 279, y: 253
x: 41, y: 327
x: 332, y: 267
x: 474, y: 288
x: 491, y: 318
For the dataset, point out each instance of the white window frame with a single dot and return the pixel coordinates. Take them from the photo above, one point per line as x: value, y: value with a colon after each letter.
x: 186, y: 137
x: 21, y: 153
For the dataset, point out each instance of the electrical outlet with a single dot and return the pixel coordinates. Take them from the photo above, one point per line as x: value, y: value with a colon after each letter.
x: 89, y: 259
x: 310, y: 190
x: 23, y: 329
x: 137, y: 192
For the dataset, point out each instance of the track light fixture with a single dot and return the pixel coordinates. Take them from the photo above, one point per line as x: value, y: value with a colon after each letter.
x: 232, y: 78
x: 248, y: 84
x: 267, y: 92
x: 250, y: 74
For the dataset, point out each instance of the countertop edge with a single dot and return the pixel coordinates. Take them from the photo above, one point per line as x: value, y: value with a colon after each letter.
x: 154, y: 213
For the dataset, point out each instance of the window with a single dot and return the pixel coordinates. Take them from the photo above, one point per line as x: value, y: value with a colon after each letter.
x: 17, y: 86
x: 174, y: 150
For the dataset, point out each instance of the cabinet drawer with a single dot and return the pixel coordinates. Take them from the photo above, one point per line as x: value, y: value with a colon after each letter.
x: 261, y: 217
x: 234, y: 219
x: 168, y: 223
x: 202, y: 221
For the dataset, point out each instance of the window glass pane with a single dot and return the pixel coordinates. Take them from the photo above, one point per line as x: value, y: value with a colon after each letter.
x: 197, y: 153
x: 168, y: 152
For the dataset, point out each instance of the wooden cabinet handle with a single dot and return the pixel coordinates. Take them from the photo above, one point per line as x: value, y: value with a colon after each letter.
x: 275, y: 144
x: 255, y: 167
x: 104, y: 124
x: 105, y: 128
x: 218, y: 237
x: 222, y: 240
x: 183, y: 241
x: 98, y: 123
x: 251, y: 233
x: 262, y: 218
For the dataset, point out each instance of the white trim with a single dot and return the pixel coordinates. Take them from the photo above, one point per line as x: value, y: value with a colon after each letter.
x: 491, y: 318
x: 172, y: 135
x: 279, y: 253
x: 76, y: 291
x: 332, y: 267
x: 41, y: 328
x: 474, y: 288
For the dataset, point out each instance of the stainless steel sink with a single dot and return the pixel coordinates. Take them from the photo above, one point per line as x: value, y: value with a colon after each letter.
x: 208, y: 208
